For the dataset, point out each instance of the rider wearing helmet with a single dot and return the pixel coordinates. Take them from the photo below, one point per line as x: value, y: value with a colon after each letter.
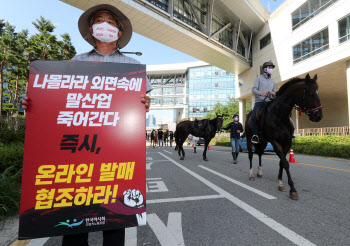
x: 262, y: 86
x: 236, y: 128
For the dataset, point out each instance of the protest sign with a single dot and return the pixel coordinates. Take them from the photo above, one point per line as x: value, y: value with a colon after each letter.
x: 84, y: 166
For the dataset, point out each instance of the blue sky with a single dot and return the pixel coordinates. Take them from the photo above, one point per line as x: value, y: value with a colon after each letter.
x: 22, y: 13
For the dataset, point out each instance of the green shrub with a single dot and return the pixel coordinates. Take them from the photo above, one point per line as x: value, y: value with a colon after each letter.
x: 11, y: 155
x: 221, y: 141
x: 10, y: 192
x: 330, y: 146
x: 11, y: 162
x: 7, y: 137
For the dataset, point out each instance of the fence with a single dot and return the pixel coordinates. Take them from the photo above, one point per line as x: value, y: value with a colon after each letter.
x: 339, y: 131
x: 12, y: 123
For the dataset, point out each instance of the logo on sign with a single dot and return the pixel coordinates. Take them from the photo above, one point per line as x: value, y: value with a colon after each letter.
x: 70, y: 225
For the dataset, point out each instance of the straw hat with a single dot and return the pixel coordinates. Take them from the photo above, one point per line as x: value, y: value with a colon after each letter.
x: 124, y: 24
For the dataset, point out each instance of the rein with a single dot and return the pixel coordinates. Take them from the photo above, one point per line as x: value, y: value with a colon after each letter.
x: 305, y: 110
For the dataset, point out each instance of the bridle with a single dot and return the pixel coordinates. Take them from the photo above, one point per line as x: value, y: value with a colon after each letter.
x: 306, y: 110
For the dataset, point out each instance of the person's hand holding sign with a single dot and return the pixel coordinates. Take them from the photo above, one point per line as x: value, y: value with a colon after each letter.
x: 144, y: 99
x: 147, y: 101
x: 133, y: 198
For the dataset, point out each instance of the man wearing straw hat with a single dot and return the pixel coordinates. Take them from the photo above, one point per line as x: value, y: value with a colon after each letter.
x: 108, y: 30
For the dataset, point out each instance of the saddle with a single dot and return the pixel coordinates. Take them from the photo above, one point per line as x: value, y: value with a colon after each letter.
x: 200, y: 124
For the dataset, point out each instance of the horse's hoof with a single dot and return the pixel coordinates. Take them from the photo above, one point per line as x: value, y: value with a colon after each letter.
x: 182, y: 158
x: 205, y: 159
x: 294, y: 195
x: 259, y: 175
x: 282, y: 188
x: 251, y: 178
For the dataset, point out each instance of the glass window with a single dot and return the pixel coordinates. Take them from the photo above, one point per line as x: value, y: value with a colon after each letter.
x: 265, y: 41
x: 168, y: 91
x: 344, y: 29
x: 308, y: 10
x: 311, y: 46
x: 179, y: 90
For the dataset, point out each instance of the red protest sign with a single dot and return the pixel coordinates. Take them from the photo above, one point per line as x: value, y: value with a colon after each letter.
x: 84, y: 152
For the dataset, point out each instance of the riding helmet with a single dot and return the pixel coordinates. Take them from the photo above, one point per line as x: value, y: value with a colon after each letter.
x: 269, y: 63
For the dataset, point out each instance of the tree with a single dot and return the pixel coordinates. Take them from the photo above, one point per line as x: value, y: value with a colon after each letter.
x: 7, y: 47
x: 16, y: 51
x: 227, y: 111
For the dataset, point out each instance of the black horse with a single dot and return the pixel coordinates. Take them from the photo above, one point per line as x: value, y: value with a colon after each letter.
x: 277, y: 127
x: 206, y: 131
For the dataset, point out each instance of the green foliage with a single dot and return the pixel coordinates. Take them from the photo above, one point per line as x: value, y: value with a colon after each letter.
x: 16, y: 51
x: 227, y: 111
x: 221, y: 141
x: 10, y: 192
x: 330, y: 146
x: 11, y: 159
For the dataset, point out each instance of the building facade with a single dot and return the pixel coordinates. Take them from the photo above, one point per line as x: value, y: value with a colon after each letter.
x: 186, y: 90
x: 238, y: 36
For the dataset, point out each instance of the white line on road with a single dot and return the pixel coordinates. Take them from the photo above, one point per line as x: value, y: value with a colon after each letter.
x: 38, y: 242
x: 131, y: 236
x: 261, y: 193
x: 274, y: 225
x: 168, y: 151
x: 153, y: 179
x: 182, y: 199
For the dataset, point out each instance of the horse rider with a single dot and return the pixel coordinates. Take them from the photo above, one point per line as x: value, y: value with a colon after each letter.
x: 106, y: 45
x: 262, y: 86
x: 236, y: 128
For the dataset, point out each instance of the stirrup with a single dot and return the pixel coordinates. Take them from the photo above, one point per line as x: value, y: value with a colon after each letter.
x: 255, y: 139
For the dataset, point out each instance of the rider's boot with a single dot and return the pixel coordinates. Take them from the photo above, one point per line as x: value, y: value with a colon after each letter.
x: 195, y: 150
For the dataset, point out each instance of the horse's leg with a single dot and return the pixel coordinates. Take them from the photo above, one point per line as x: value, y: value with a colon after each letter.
x: 281, y: 186
x: 250, y: 155
x: 205, y: 150
x: 259, y: 174
x: 183, y: 151
x: 293, y: 194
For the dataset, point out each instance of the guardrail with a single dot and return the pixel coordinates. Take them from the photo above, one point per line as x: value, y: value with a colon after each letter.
x: 339, y: 131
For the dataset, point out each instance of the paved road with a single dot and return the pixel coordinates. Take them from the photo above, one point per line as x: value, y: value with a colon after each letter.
x: 192, y: 202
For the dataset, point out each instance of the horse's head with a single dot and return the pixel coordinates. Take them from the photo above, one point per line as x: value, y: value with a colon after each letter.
x: 309, y: 101
x: 219, y: 121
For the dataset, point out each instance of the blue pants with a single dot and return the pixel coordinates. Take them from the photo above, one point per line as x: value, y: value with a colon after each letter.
x: 160, y: 140
x: 235, y: 145
x: 254, y: 121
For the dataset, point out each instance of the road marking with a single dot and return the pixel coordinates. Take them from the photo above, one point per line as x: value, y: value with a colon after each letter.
x: 153, y: 179
x: 311, y: 165
x: 156, y: 186
x: 38, y: 242
x: 168, y: 151
x: 149, y: 158
x: 274, y: 225
x: 170, y: 235
x: 183, y: 199
x: 263, y: 194
x: 131, y: 236
x: 300, y: 163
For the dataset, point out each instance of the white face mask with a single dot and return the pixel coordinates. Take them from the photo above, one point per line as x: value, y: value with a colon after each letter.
x: 105, y: 32
x: 236, y: 119
x: 269, y: 70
